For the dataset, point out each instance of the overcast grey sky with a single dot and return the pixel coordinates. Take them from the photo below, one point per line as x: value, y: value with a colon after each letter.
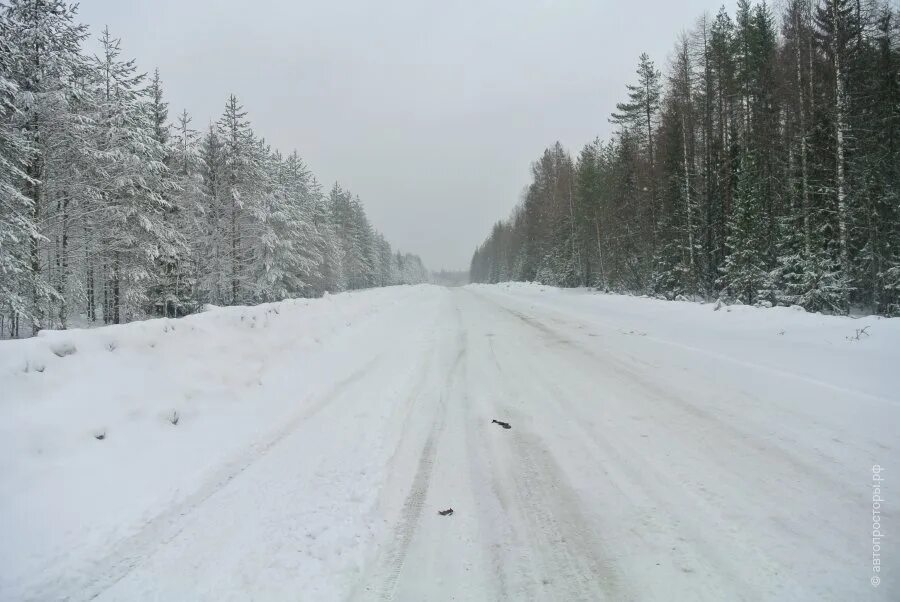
x: 430, y: 111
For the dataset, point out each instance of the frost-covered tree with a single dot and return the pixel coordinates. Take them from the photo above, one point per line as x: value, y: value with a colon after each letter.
x: 241, y: 173
x: 289, y: 257
x: 329, y: 274
x: 134, y: 231
x: 16, y: 225
x: 187, y: 209
x: 109, y: 212
x: 44, y: 44
x: 167, y: 287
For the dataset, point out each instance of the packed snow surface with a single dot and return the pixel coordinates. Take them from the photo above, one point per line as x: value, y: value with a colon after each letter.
x: 302, y: 450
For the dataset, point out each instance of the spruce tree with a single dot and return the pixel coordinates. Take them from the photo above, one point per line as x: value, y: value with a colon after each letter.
x: 744, y: 275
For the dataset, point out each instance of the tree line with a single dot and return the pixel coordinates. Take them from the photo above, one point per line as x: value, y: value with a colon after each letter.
x: 762, y: 168
x: 109, y: 212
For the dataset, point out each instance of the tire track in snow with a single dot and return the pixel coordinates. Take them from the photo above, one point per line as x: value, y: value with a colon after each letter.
x: 393, y: 560
x: 128, y: 553
x: 550, y: 544
x: 741, y: 444
x: 602, y: 453
x: 575, y: 563
x: 714, y: 421
x: 560, y: 527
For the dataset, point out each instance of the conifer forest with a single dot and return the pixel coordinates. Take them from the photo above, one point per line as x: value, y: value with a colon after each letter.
x: 113, y: 209
x: 760, y: 165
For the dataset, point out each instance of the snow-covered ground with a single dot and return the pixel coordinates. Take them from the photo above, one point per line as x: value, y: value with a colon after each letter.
x: 658, y: 451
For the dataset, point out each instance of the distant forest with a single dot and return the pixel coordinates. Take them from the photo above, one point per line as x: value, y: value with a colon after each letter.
x: 110, y: 211
x: 762, y: 168
x: 450, y: 277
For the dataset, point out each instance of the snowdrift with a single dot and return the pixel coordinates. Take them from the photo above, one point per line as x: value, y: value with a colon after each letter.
x: 101, y: 429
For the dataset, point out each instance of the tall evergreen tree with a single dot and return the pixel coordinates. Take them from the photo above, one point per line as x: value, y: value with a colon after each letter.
x: 761, y: 169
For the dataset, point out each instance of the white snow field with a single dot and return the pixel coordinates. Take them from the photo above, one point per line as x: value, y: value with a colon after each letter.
x: 658, y: 451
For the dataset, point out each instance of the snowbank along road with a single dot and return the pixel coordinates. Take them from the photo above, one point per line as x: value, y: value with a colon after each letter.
x: 303, y: 450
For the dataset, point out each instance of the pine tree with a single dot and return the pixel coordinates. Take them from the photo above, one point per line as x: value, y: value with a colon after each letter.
x: 639, y: 116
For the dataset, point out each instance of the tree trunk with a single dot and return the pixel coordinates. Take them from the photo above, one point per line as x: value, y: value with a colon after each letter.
x: 839, y: 127
x: 35, y: 192
x: 687, y: 191
x: 234, y: 247
x: 64, y: 266
x: 804, y: 170
x: 116, y: 296
x: 599, y: 250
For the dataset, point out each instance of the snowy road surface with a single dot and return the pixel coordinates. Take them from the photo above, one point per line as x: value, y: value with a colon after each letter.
x: 658, y: 451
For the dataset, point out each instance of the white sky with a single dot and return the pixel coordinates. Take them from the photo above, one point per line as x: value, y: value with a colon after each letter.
x: 431, y: 112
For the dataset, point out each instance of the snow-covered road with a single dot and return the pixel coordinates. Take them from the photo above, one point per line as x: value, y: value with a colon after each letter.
x: 658, y: 451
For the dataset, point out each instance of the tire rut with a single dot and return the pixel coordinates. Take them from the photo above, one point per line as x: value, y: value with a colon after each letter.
x: 569, y: 547
x: 560, y: 529
x: 737, y: 435
x: 129, y: 553
x: 392, y: 561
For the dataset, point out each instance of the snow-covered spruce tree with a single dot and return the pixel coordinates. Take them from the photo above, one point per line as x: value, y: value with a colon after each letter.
x: 327, y: 245
x: 258, y: 229
x: 792, y: 252
x: 213, y: 244
x: 132, y: 209
x: 73, y: 190
x: 677, y: 262
x: 808, y: 273
x: 187, y: 213
x: 872, y: 62
x: 837, y: 24
x: 341, y: 220
x: 303, y: 254
x: 16, y: 225
x: 361, y: 251
x: 287, y: 260
x: 239, y: 172
x: 166, y: 285
x: 43, y: 43
x: 384, y: 262
x: 248, y: 195
x: 410, y: 268
x: 745, y: 276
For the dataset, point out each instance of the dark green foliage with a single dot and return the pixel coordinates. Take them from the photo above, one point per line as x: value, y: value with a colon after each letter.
x: 762, y: 169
